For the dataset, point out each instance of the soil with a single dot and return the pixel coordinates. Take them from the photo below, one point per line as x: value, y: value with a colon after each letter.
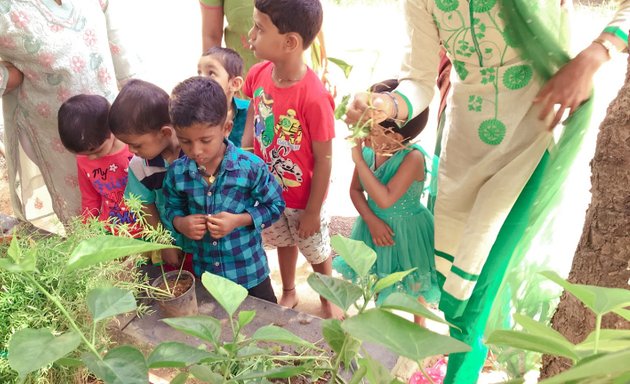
x: 183, y: 285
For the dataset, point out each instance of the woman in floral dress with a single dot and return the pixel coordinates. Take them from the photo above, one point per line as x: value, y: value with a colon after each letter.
x: 62, y: 48
x: 497, y: 148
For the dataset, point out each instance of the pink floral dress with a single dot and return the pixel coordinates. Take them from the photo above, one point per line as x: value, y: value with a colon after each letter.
x: 62, y: 50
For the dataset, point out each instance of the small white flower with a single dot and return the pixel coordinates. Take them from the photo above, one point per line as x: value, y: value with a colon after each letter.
x: 113, y: 167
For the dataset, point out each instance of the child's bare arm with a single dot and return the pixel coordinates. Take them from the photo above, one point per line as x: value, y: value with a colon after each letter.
x: 309, y: 223
x: 15, y: 76
x: 382, y: 234
x: 386, y: 195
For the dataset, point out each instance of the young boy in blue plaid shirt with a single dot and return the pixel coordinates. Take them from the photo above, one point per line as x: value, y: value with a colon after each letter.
x: 218, y: 196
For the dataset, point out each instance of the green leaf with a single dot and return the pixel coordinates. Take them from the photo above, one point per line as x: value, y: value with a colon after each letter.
x: 339, y: 292
x: 180, y: 379
x: 376, y: 372
x: 404, y: 302
x: 345, y: 67
x: 107, y: 302
x: 174, y: 354
x: 273, y: 373
x: 203, y: 327
x: 245, y: 317
x: 391, y: 279
x: 539, y: 329
x: 399, y: 335
x: 69, y: 362
x: 228, y: 294
x: 279, y: 335
x: 121, y: 365
x: 32, y: 349
x: 18, y: 261
x: 341, y: 342
x: 99, y: 249
x: 612, y: 364
x: 623, y: 313
x: 205, y: 374
x: 610, y: 340
x: 600, y: 300
x: 355, y: 253
x: 529, y: 342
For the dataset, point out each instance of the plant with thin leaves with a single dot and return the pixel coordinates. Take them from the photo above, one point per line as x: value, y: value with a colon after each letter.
x: 602, y: 357
x: 346, y: 337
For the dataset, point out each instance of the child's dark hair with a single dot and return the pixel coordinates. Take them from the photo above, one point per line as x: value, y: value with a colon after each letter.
x: 229, y: 59
x: 139, y: 108
x: 197, y: 100
x: 414, y: 126
x: 304, y: 17
x: 82, y: 122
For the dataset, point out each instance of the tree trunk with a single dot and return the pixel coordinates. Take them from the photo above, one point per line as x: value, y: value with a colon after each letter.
x: 603, y: 253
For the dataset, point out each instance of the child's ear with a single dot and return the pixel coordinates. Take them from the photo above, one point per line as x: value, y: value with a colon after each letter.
x: 167, y: 131
x: 293, y: 41
x: 227, y: 127
x: 236, y: 83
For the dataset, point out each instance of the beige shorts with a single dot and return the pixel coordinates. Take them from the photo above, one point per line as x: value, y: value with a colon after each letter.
x: 284, y: 233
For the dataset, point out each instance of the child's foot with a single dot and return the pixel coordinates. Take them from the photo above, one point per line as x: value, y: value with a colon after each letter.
x: 330, y: 311
x: 289, y: 298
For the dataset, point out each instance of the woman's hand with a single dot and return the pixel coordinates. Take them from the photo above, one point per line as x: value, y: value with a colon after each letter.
x: 15, y: 76
x: 367, y: 105
x: 382, y: 234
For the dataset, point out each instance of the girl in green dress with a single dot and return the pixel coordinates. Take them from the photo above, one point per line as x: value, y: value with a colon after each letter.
x: 392, y: 219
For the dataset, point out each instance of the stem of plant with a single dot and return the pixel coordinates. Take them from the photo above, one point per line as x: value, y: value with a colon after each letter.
x: 67, y: 315
x: 421, y: 368
x: 168, y: 289
x: 180, y: 271
x: 598, y: 326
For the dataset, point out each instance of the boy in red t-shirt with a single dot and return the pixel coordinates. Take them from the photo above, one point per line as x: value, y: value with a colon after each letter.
x: 293, y: 128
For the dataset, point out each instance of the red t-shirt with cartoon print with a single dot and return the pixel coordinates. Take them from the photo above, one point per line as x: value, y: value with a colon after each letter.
x: 286, y: 123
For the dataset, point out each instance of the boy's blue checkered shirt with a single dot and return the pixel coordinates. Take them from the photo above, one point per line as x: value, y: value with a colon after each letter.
x: 243, y: 184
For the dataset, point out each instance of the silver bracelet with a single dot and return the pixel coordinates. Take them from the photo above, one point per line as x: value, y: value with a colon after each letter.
x: 395, y: 117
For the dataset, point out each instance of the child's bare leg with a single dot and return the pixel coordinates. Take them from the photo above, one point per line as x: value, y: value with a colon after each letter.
x: 287, y: 260
x: 329, y: 310
x: 418, y: 319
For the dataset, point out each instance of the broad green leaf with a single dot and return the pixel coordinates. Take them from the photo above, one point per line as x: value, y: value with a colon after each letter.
x: 99, y: 249
x: 279, y: 335
x: 600, y: 300
x: 404, y: 302
x: 390, y: 280
x: 612, y: 364
x: 121, y: 365
x: 32, y: 349
x: 355, y: 253
x: 538, y: 329
x: 252, y: 350
x: 339, y: 292
x: 203, y: 327
x: 376, y: 372
x: 623, y: 379
x: 536, y: 343
x: 610, y: 340
x: 245, y: 317
x: 69, y: 362
x: 205, y: 374
x: 345, y: 67
x: 399, y: 335
x: 273, y: 373
x: 174, y: 354
x: 180, y: 379
x: 341, y: 342
x: 107, y: 302
x: 228, y: 294
x: 623, y: 313
x: 18, y: 260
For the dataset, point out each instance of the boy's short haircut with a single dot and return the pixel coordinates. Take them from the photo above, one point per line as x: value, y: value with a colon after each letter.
x: 139, y: 108
x: 197, y: 100
x: 229, y: 59
x: 82, y: 122
x: 304, y: 17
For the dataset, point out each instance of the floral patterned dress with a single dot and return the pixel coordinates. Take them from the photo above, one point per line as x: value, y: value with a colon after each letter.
x: 62, y: 50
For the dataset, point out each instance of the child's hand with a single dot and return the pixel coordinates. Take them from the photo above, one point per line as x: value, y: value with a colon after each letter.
x: 308, y: 224
x: 172, y: 256
x: 357, y: 151
x: 191, y: 226
x: 382, y: 234
x: 221, y: 224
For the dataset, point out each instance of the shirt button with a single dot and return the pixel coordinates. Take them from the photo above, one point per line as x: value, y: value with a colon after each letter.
x: 214, y: 243
x: 262, y: 225
x: 216, y: 264
x: 209, y: 193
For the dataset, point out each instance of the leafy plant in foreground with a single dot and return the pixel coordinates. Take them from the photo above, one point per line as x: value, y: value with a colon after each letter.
x: 602, y: 358
x: 376, y: 325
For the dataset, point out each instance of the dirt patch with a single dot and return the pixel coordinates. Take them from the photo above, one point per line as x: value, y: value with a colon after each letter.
x: 183, y: 285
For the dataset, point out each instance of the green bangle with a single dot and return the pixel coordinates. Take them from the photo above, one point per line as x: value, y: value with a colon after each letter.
x: 395, y: 117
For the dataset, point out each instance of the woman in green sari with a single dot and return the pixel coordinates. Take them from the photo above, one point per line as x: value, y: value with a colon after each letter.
x: 510, y: 71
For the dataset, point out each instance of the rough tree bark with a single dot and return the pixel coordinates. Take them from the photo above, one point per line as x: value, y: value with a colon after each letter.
x: 602, y: 257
